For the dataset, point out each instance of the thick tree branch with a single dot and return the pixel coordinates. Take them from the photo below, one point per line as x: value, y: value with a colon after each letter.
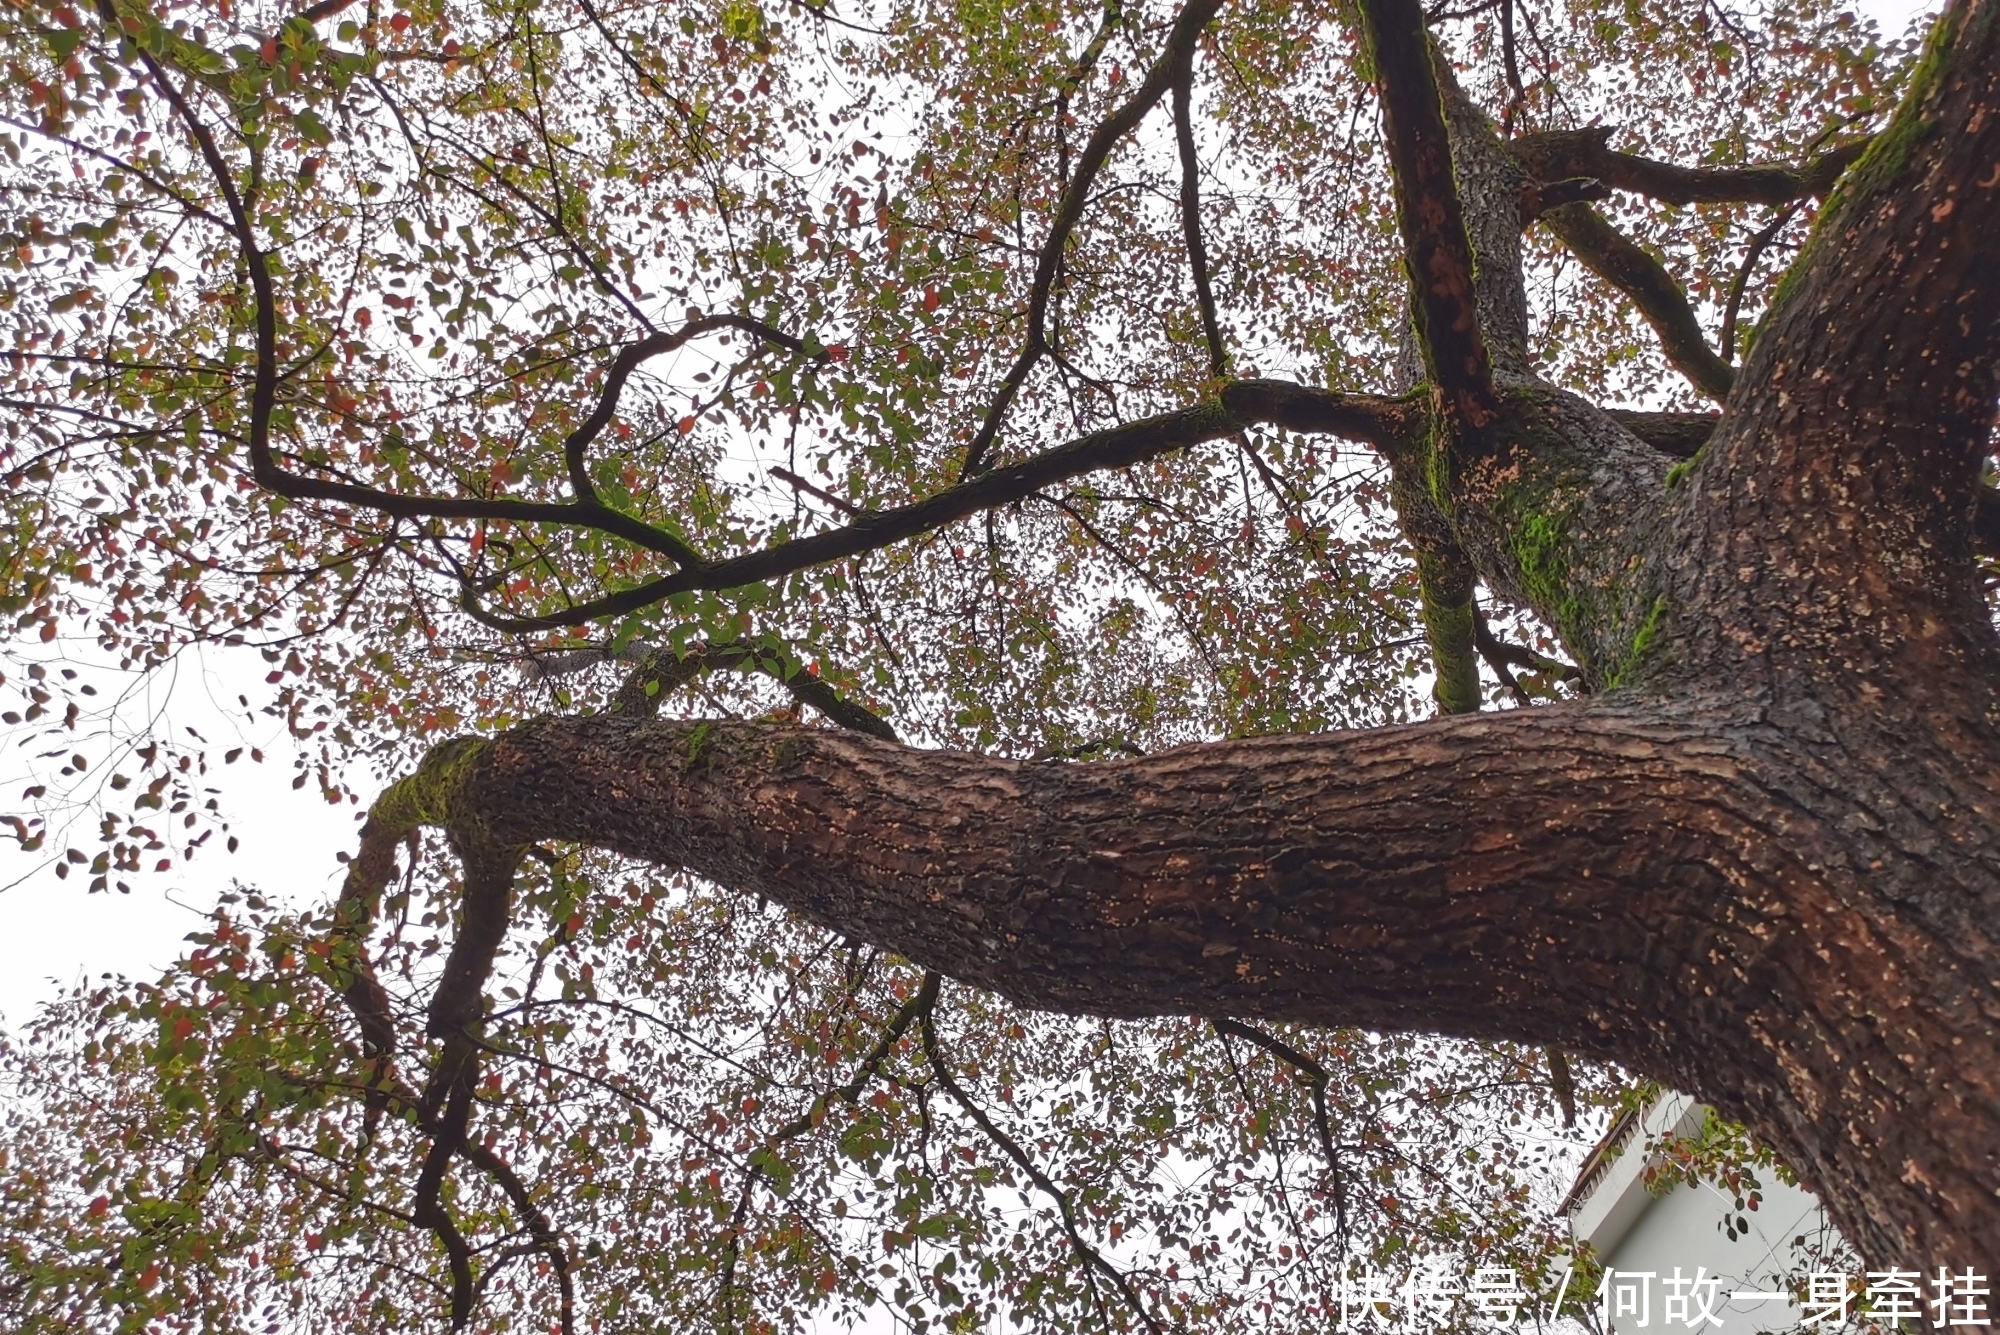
x: 1606, y: 252
x: 1437, y: 250
x: 1559, y: 156
x: 1027, y: 877
x: 435, y: 796
x: 1386, y: 423
x: 1599, y: 876
x: 1489, y: 190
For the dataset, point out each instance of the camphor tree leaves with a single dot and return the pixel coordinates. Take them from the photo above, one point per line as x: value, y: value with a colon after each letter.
x: 478, y: 362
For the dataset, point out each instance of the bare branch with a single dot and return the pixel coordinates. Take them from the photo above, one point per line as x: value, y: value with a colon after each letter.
x: 1298, y: 406
x: 919, y: 1006
x: 1178, y: 55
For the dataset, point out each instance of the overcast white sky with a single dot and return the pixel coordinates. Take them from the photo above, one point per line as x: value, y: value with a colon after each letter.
x: 52, y: 934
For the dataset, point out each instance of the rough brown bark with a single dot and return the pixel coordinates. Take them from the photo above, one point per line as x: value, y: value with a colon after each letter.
x: 1767, y: 869
x: 1609, y: 878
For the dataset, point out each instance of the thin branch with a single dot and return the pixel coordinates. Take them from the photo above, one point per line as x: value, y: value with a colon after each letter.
x: 429, y: 1210
x: 1986, y: 522
x: 1504, y: 655
x: 660, y: 672
x: 1725, y: 342
x: 1316, y: 1079
x: 797, y: 483
x: 1091, y: 1257
x: 1510, y: 58
x: 1178, y: 55
x: 654, y: 345
x: 587, y: 512
x: 1563, y: 1084
x: 547, y: 1241
x: 1197, y: 251
x: 1299, y: 407
x: 1080, y: 68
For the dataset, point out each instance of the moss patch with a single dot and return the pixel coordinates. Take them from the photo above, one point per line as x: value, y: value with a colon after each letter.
x: 429, y: 796
x: 1678, y: 473
x: 1449, y: 628
x: 1540, y: 540
x: 1649, y: 631
x: 700, y: 743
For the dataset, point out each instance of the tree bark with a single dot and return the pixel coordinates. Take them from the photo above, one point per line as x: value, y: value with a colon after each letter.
x: 1665, y: 883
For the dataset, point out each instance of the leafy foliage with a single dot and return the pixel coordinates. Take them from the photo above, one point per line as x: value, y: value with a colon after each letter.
x: 318, y: 330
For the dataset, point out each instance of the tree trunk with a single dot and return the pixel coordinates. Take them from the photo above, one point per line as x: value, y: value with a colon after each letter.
x: 1762, y: 862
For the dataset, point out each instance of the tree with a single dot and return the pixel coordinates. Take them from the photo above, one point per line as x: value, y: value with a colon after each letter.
x: 1745, y: 845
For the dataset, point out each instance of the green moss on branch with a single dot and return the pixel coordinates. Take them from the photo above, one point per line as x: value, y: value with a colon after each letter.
x: 429, y: 796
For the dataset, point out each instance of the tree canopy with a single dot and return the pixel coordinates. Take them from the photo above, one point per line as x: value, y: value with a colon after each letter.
x: 1011, y: 485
